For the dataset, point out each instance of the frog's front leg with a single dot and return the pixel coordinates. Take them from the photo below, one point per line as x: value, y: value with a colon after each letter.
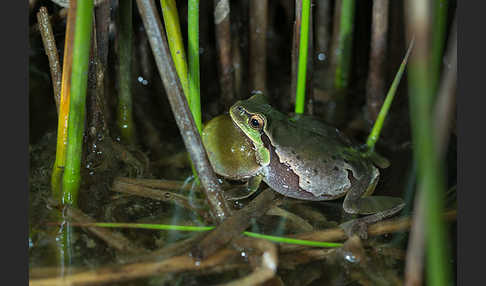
x: 359, y: 201
x: 245, y: 191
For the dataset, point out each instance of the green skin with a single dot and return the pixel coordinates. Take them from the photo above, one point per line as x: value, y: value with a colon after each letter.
x: 305, y: 159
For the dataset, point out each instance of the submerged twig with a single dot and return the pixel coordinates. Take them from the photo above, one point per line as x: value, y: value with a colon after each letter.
x: 51, y: 51
x: 258, y: 40
x: 160, y: 195
x: 137, y: 270
x: 184, y: 119
x: 159, y: 184
x: 113, y: 239
x: 222, y: 26
x: 268, y: 262
x: 375, y: 89
x: 234, y: 225
x: 376, y: 229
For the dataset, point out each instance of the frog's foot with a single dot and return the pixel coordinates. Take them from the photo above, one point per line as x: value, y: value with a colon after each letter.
x: 244, y: 191
x: 238, y: 193
x: 355, y: 227
x: 360, y: 226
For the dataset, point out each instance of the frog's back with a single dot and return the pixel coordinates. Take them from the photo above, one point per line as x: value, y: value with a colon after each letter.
x: 319, y: 155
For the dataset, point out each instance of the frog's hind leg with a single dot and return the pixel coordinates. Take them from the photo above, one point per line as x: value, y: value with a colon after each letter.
x: 359, y: 201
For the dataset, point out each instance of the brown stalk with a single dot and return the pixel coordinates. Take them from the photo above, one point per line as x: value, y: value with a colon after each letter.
x: 158, y: 184
x: 295, y: 49
x: 258, y: 38
x: 234, y: 225
x: 293, y: 259
x: 309, y: 90
x: 160, y: 195
x: 49, y: 42
x: 185, y: 121
x: 98, y: 113
x: 444, y: 116
x: 137, y: 270
x: 113, y: 239
x: 222, y: 27
x: 219, y: 262
x: 375, y: 89
x: 334, y: 44
x: 323, y: 22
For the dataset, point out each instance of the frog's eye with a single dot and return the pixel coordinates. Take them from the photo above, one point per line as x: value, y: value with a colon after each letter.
x: 256, y: 122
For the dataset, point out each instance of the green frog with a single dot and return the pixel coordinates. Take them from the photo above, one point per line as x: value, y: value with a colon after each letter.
x: 302, y: 158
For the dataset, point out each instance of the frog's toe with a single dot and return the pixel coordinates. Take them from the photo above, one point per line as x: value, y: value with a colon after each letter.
x: 355, y: 227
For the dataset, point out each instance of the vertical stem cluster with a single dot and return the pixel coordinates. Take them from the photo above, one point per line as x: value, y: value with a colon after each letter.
x: 180, y: 108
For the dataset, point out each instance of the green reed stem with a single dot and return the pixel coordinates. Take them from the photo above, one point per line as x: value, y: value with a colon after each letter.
x: 125, y: 110
x: 303, y: 51
x: 430, y: 172
x: 345, y: 49
x: 176, y: 45
x: 278, y: 239
x: 287, y: 240
x: 79, y: 80
x: 193, y: 51
x: 377, y: 127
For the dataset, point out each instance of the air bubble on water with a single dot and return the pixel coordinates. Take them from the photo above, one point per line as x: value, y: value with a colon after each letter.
x: 351, y: 258
x: 321, y: 56
x: 141, y: 80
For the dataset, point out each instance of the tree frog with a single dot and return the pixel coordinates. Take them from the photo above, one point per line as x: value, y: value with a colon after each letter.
x: 303, y: 158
